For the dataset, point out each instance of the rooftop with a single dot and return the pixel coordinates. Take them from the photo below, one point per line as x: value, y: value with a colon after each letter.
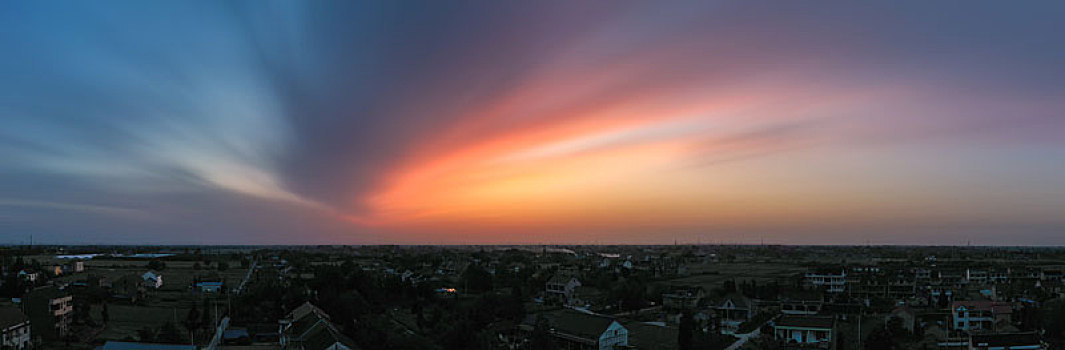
x: 10, y: 316
x: 805, y: 322
x: 1005, y: 339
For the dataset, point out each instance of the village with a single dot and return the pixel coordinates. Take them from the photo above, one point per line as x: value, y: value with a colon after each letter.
x: 532, y: 297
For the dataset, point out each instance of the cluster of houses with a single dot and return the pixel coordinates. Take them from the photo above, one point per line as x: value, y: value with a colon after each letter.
x: 951, y: 305
x: 45, y: 311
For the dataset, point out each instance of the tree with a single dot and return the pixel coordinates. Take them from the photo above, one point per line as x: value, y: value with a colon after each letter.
x: 541, y: 335
x: 169, y: 333
x: 631, y: 294
x: 684, y: 335
x: 156, y: 265
x: 477, y: 279
x: 729, y: 286
x: 879, y: 339
x: 146, y: 334
x: 222, y: 266
x: 192, y: 320
x: 1054, y: 321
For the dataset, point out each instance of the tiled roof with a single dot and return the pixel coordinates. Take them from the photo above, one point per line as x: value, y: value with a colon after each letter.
x: 805, y: 322
x: 581, y: 324
x: 1005, y: 339
x: 10, y: 316
x: 314, y: 331
x: 999, y: 307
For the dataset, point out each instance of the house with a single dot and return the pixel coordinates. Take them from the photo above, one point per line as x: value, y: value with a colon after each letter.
x: 209, y: 286
x: 683, y: 297
x: 29, y: 275
x: 801, y: 302
x: 805, y: 332
x: 1006, y: 341
x: 800, y: 307
x: 14, y: 329
x: 51, y: 311
x: 830, y: 281
x: 733, y: 310
x: 236, y: 337
x: 980, y: 315
x: 128, y: 288
x: 308, y: 328
x: 977, y: 276
x: 647, y: 336
x: 560, y: 287
x: 906, y: 316
x: 152, y: 279
x: 574, y: 329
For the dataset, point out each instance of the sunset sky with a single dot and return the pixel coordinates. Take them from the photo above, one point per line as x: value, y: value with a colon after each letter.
x: 308, y: 122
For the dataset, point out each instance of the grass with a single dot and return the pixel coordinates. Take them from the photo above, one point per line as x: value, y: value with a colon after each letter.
x: 126, y: 320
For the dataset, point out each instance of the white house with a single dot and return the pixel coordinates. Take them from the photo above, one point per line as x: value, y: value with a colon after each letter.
x: 830, y: 281
x: 152, y: 279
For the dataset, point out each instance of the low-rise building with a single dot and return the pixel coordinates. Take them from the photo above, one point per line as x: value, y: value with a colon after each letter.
x: 209, y: 286
x: 830, y: 281
x: 560, y: 287
x: 733, y: 310
x: 805, y: 332
x: 51, y: 312
x: 574, y: 329
x: 152, y: 279
x: 683, y: 297
x: 14, y: 329
x: 801, y: 307
x: 308, y: 328
x: 981, y: 315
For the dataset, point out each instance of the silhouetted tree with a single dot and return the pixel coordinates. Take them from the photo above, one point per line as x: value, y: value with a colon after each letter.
x: 684, y: 334
x: 169, y: 333
x: 1054, y: 322
x: 477, y: 279
x: 156, y: 265
x: 540, y: 339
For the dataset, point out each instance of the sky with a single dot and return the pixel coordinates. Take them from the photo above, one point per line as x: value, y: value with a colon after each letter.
x: 540, y: 122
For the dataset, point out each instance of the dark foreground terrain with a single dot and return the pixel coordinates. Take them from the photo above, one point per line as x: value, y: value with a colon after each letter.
x: 532, y: 297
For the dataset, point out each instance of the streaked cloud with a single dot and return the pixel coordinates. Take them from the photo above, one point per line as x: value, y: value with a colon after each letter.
x: 279, y: 122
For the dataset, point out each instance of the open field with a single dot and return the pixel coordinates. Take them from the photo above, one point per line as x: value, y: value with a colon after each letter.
x: 127, y: 320
x: 712, y: 276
